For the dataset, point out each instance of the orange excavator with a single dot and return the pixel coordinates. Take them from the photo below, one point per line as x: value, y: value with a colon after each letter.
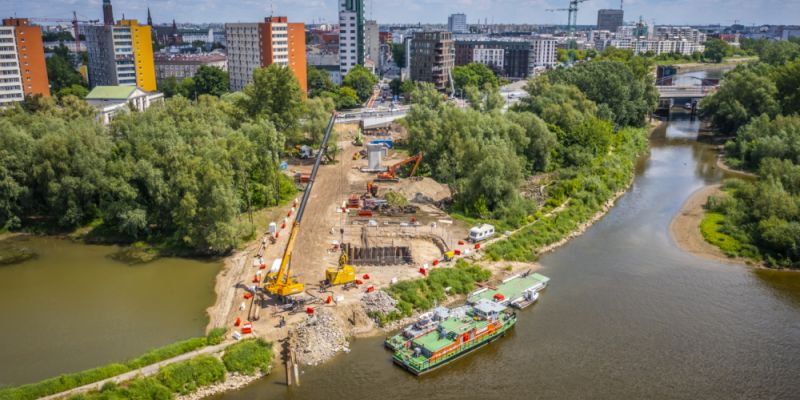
x: 391, y: 173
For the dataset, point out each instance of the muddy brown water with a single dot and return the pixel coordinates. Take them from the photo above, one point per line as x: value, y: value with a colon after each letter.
x: 74, y: 308
x: 627, y: 315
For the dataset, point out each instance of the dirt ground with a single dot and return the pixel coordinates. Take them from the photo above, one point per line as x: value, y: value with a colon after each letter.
x: 685, y: 227
x: 314, y: 249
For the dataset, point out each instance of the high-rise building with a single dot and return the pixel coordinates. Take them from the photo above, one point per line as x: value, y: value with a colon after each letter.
x: 372, y: 42
x: 22, y: 68
x: 351, y: 34
x: 121, y: 55
x: 108, y: 13
x: 432, y: 57
x: 256, y: 45
x: 609, y: 19
x: 457, y: 23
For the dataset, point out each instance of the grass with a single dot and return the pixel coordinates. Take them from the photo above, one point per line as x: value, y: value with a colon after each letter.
x: 711, y: 226
x: 70, y: 381
x: 248, y: 357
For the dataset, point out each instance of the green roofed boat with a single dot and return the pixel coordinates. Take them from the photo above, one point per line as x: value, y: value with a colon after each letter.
x: 518, y: 291
x: 464, y: 330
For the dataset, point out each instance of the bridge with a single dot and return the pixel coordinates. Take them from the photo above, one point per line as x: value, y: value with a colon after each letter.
x: 685, y: 91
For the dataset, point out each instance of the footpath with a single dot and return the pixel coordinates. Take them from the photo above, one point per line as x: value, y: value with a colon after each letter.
x: 148, y: 370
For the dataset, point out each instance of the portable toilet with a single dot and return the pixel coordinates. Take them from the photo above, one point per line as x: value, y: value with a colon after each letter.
x: 273, y: 227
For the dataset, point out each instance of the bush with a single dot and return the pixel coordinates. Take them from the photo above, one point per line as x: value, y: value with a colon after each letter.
x: 185, y: 377
x: 216, y: 336
x: 248, y: 356
x: 421, y: 294
x: 711, y: 228
x: 139, y: 389
x: 168, y: 351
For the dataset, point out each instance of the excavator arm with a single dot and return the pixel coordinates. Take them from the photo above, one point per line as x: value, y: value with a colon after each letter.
x: 391, y: 173
x: 281, y: 283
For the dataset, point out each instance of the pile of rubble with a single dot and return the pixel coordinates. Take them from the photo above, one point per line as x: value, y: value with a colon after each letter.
x: 380, y: 302
x: 319, y: 338
x: 232, y: 382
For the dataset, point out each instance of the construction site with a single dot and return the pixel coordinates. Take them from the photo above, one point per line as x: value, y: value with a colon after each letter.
x: 362, y: 221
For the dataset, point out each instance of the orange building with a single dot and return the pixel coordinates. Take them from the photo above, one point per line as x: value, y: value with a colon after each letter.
x: 284, y: 43
x: 30, y: 54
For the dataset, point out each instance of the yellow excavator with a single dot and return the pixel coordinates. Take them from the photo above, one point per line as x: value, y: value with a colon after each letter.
x: 344, y: 274
x: 281, y: 284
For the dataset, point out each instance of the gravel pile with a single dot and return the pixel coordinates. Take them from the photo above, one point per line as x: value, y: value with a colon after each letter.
x: 232, y: 382
x: 319, y: 338
x: 379, y: 301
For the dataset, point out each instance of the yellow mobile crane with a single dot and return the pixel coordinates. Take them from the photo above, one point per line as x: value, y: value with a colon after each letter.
x: 280, y: 283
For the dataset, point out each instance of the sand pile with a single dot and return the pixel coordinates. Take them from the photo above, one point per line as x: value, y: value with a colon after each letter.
x: 428, y: 189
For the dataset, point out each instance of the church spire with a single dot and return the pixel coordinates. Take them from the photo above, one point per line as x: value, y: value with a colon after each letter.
x: 149, y: 18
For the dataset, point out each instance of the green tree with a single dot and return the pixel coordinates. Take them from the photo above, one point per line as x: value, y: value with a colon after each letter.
x: 78, y: 91
x: 361, y: 80
x: 317, y: 117
x: 620, y: 96
x: 787, y: 82
x: 744, y: 93
x: 319, y: 81
x: 399, y: 54
x: 211, y: 80
x: 779, y: 52
x: 473, y: 74
x: 60, y: 72
x: 276, y: 96
x: 716, y: 50
x: 346, y: 98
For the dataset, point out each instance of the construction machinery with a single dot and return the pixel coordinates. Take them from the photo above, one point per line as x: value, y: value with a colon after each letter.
x: 343, y: 274
x: 372, y: 189
x: 281, y: 284
x: 391, y: 174
x: 75, y: 26
x: 572, y: 22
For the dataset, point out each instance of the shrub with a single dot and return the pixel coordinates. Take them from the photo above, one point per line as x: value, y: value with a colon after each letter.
x: 168, y: 351
x: 216, y: 336
x: 185, y: 377
x: 248, y: 356
x: 62, y: 382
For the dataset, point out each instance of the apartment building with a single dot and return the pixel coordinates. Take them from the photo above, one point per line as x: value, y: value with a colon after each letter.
x: 121, y: 55
x: 372, y: 42
x: 432, y: 57
x: 511, y: 57
x: 22, y: 66
x: 351, y: 34
x: 256, y: 45
x: 181, y: 66
x: 610, y: 19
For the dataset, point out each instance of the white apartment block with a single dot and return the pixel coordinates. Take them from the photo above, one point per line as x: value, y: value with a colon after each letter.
x: 351, y: 34
x: 244, y: 53
x: 491, y: 56
x: 10, y: 75
x: 123, y: 54
x: 457, y: 23
x: 543, y: 53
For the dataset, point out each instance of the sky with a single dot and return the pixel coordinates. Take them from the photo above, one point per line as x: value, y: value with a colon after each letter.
x: 725, y: 12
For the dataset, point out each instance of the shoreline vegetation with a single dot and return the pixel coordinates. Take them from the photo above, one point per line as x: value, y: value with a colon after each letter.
x: 757, y: 104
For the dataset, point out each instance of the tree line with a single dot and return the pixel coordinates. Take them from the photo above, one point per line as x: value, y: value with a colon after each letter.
x: 186, y: 174
x: 758, y: 104
x: 570, y: 118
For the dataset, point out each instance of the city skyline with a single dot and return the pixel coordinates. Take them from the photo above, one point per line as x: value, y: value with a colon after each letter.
x: 681, y: 12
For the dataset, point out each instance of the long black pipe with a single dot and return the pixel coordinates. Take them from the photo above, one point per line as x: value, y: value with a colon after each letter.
x: 320, y: 154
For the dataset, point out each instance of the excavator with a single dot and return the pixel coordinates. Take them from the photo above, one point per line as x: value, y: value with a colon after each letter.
x: 391, y: 174
x: 281, y: 284
x: 343, y: 274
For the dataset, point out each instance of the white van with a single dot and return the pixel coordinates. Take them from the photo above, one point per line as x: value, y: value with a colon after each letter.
x: 481, y: 232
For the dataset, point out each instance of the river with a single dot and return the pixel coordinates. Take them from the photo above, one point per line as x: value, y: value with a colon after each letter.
x: 74, y: 308
x: 627, y: 315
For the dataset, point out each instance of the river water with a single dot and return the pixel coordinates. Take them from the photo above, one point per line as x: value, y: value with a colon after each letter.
x: 627, y: 315
x: 74, y: 308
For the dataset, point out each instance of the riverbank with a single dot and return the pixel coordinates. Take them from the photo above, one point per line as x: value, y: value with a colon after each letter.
x: 685, y: 228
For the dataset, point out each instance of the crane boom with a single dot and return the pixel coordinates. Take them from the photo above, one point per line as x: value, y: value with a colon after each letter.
x: 281, y: 283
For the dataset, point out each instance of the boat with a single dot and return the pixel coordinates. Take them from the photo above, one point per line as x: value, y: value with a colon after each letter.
x: 455, y: 337
x: 518, y: 291
x: 426, y: 323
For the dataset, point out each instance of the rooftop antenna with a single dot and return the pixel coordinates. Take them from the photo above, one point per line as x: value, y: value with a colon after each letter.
x: 620, y: 4
x: 271, y: 8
